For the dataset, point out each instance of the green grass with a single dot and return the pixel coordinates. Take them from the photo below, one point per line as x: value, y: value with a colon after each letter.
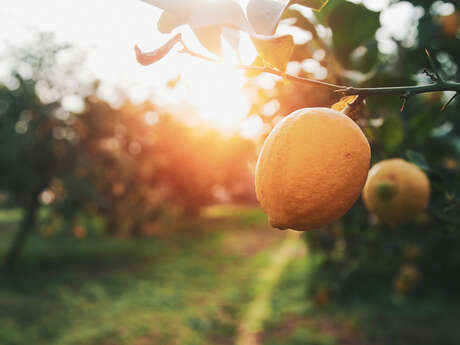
x: 10, y: 216
x: 239, y: 215
x: 181, y: 290
x: 378, y: 318
x: 193, y: 288
x: 9, y: 219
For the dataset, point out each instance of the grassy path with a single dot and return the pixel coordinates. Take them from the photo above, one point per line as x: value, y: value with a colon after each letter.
x: 227, y: 280
x: 187, y: 289
x: 259, y: 309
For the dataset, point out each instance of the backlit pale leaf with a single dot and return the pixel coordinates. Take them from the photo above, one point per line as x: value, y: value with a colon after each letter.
x: 210, y: 38
x: 202, y: 13
x: 174, y: 6
x: 156, y: 55
x: 232, y: 36
x: 258, y: 62
x: 169, y: 21
x: 206, y: 18
x: 275, y: 51
x: 222, y: 12
x: 353, y: 106
x: 265, y: 15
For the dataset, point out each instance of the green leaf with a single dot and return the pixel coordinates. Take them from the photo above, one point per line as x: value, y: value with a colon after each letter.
x: 392, y: 133
x: 456, y: 144
x: 328, y: 7
x: 275, y: 51
x: 352, y: 25
x: 418, y: 159
x: 438, y: 180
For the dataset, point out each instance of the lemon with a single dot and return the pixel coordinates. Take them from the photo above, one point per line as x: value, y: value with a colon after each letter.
x: 311, y: 169
x: 396, y: 191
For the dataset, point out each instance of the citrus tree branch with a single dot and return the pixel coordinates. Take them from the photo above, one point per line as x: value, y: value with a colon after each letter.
x: 407, y: 91
x: 349, y: 90
x: 269, y: 70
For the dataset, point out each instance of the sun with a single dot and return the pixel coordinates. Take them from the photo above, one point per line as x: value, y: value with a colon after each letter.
x: 215, y: 90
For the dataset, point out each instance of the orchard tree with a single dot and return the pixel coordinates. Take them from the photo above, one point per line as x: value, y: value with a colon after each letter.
x: 67, y: 149
x: 35, y: 133
x: 136, y: 164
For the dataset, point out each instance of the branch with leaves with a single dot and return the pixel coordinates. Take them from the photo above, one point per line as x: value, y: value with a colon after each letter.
x: 211, y: 21
x: 225, y: 20
x: 148, y: 58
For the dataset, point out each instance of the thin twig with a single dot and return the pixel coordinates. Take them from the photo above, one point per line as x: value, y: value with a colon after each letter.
x: 404, y: 98
x: 273, y: 71
x: 406, y: 91
x: 430, y: 74
x: 448, y: 102
x: 433, y: 67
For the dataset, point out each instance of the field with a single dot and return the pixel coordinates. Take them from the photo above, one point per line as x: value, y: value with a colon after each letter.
x: 230, y: 279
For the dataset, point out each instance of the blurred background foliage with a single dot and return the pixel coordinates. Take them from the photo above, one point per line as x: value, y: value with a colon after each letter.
x: 78, y: 156
x: 79, y: 167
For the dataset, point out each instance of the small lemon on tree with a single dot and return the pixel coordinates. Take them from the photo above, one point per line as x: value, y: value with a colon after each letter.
x: 396, y: 191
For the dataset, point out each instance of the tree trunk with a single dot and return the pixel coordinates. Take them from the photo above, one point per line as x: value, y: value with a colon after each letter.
x: 26, y: 226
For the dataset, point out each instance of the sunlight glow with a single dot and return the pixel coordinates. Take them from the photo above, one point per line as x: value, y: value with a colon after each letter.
x: 214, y: 90
x: 252, y: 127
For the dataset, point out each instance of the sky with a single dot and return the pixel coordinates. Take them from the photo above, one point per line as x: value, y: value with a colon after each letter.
x: 108, y: 34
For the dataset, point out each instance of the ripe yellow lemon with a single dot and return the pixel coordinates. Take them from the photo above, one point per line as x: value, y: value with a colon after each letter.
x: 396, y: 191
x: 311, y: 169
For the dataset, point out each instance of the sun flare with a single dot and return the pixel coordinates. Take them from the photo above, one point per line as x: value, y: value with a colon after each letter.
x: 215, y: 90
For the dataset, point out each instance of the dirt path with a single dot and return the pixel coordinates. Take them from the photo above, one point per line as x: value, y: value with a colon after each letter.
x: 259, y: 309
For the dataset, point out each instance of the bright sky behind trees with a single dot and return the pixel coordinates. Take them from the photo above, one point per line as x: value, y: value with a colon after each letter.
x: 108, y: 34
